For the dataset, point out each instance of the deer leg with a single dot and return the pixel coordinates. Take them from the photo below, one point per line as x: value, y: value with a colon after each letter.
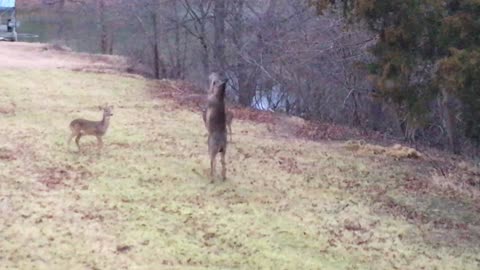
x: 212, y: 165
x: 204, y: 117
x: 224, y: 165
x: 230, y: 131
x: 70, y: 140
x: 100, y: 142
x: 77, y: 141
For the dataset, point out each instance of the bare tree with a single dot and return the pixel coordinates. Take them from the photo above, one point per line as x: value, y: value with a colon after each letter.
x: 106, y: 44
x: 196, y: 24
x: 219, y: 14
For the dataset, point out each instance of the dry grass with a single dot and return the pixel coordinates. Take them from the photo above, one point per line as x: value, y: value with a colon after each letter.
x: 396, y: 151
x: 145, y: 202
x: 21, y: 55
x: 463, y: 180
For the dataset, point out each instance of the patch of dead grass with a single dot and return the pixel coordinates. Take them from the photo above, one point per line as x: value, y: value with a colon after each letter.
x: 396, y: 151
x: 66, y: 176
x: 7, y: 154
x: 462, y: 183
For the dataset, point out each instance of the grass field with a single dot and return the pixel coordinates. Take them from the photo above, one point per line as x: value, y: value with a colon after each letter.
x: 145, y: 202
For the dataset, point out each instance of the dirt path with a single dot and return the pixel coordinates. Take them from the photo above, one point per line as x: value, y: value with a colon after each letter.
x: 45, y: 56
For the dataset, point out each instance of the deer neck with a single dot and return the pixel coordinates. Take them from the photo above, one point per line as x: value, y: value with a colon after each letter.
x: 105, y: 122
x: 220, y: 94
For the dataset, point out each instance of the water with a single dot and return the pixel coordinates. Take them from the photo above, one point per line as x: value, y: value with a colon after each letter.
x: 78, y: 32
x: 36, y: 27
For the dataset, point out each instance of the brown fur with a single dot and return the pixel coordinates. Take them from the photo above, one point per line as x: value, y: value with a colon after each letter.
x: 215, y: 121
x: 228, y: 121
x: 81, y: 127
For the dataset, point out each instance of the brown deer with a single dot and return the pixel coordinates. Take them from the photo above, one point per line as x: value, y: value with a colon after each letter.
x: 228, y: 121
x: 81, y: 127
x: 215, y: 121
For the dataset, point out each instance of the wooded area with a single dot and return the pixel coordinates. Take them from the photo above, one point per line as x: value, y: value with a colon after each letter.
x: 409, y: 69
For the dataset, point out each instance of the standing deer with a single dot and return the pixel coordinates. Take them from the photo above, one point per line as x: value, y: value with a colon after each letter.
x: 81, y: 127
x: 228, y: 121
x: 215, y: 121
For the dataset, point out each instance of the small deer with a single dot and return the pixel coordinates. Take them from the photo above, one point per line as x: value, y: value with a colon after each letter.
x: 228, y: 121
x: 81, y: 127
x: 215, y: 121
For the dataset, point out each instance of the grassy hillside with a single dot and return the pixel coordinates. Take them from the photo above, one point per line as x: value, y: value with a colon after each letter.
x: 145, y: 202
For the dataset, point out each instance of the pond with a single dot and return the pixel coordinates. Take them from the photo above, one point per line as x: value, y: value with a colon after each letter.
x: 78, y: 32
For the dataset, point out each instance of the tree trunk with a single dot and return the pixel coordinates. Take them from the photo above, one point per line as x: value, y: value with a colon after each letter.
x: 158, y: 65
x: 450, y: 122
x: 245, y: 95
x: 178, y: 69
x: 104, y: 46
x: 62, y: 20
x: 219, y: 32
x: 376, y: 115
x: 110, y: 43
x: 397, y: 123
x: 205, y: 56
x: 245, y: 91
